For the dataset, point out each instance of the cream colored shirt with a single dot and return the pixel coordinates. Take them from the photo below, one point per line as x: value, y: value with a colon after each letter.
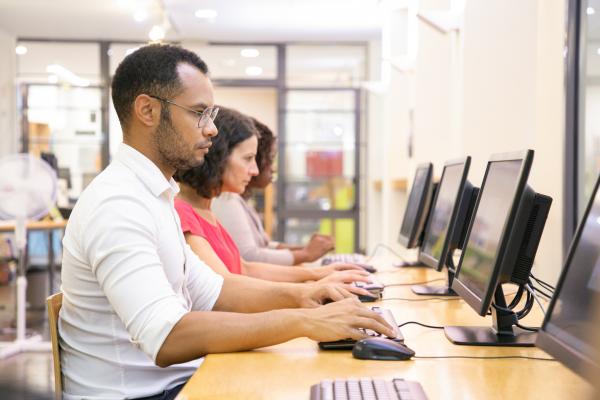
x: 242, y: 222
x: 127, y: 278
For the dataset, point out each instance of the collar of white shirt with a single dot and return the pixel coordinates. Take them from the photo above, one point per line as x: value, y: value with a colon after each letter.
x: 147, y: 171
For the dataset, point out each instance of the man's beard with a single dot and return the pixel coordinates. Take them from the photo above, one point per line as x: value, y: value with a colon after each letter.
x: 171, y: 146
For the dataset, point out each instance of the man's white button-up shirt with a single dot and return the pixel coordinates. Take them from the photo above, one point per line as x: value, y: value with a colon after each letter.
x: 127, y: 278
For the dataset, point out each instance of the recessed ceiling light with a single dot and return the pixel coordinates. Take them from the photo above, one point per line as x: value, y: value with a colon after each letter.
x: 53, y: 79
x: 338, y: 130
x: 598, y: 51
x: 110, y: 52
x: 590, y: 11
x: 21, y: 49
x: 254, y: 71
x: 140, y: 15
x: 249, y: 53
x: 206, y: 14
x: 156, y: 33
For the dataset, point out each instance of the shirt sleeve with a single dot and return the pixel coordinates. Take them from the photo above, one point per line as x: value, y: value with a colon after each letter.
x: 234, y: 218
x: 122, y: 257
x: 203, y: 296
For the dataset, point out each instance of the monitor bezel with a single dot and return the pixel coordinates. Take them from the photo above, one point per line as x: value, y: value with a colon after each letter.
x: 412, y: 241
x: 424, y: 257
x: 481, y: 305
x: 573, y: 359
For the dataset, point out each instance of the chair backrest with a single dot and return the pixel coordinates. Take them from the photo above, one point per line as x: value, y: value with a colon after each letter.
x: 54, y: 303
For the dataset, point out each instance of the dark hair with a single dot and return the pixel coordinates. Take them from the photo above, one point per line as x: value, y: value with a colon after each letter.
x: 151, y: 70
x: 265, y: 142
x: 264, y: 145
x: 207, y: 179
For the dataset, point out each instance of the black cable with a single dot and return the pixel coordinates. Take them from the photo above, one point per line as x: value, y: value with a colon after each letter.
x: 528, y: 328
x: 415, y: 283
x: 544, y: 284
x: 418, y: 323
x: 385, y: 246
x: 541, y: 292
x: 427, y: 299
x: 494, y: 358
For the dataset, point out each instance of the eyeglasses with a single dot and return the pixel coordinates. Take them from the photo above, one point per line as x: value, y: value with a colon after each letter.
x: 210, y: 112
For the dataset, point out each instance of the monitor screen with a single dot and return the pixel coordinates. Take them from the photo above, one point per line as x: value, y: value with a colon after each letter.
x: 442, y: 213
x: 416, y: 197
x: 571, y: 319
x: 497, y: 195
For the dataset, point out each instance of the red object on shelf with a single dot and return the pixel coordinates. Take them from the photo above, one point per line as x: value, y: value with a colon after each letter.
x: 324, y: 163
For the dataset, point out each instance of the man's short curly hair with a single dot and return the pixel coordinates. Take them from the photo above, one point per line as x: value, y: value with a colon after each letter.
x: 151, y: 70
x: 207, y: 179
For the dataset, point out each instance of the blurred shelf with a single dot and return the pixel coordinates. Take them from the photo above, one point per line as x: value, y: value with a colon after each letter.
x: 397, y: 184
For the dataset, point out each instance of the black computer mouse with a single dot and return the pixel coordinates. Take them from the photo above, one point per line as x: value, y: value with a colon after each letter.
x: 376, y: 348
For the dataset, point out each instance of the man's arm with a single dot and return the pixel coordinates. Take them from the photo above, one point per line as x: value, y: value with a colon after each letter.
x: 201, y: 333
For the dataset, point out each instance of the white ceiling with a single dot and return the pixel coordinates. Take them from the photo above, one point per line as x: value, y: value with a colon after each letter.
x: 237, y: 20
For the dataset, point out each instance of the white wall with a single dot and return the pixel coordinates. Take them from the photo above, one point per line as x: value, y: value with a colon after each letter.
x: 492, y: 82
x: 8, y: 102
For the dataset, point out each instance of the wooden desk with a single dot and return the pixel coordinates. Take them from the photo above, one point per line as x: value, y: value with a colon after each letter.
x: 44, y: 225
x: 287, y: 371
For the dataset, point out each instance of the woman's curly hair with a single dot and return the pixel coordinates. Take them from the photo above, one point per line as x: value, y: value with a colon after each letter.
x: 265, y: 142
x: 207, y: 179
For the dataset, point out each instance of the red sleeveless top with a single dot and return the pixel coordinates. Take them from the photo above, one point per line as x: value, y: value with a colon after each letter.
x: 217, y: 236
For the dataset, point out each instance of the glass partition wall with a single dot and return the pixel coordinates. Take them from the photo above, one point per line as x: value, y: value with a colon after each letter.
x: 66, y: 109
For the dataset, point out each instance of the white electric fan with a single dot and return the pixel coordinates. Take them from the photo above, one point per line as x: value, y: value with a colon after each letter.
x: 27, y: 192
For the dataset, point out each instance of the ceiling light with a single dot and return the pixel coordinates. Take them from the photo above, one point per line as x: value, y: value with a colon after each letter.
x: 21, y: 49
x: 140, y: 15
x: 206, y: 14
x: 338, y: 130
x: 156, y: 33
x: 598, y: 51
x: 249, y: 53
x: 110, y: 52
x: 67, y: 75
x: 129, y: 51
x: 590, y: 11
x: 53, y: 79
x: 254, y: 71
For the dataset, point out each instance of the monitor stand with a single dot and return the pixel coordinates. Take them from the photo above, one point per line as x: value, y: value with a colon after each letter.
x: 439, y: 290
x: 501, y: 333
x: 407, y: 264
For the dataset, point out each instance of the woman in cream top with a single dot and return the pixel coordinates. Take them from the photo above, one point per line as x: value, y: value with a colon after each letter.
x: 242, y: 222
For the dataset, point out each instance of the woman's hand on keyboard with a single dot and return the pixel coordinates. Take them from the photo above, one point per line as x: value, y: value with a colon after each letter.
x: 338, y: 266
x: 342, y: 320
x: 345, y: 279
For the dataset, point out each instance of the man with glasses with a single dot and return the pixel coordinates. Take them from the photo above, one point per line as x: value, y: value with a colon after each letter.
x: 139, y: 309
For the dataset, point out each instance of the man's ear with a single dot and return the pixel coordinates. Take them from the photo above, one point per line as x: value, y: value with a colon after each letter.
x: 146, y: 110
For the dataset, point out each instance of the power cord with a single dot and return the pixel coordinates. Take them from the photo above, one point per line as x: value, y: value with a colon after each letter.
x: 418, y: 323
x: 543, y: 284
x: 385, y: 246
x: 415, y: 283
x: 492, y: 358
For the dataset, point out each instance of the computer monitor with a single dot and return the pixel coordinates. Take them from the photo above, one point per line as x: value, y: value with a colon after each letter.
x: 450, y: 213
x: 416, y: 213
x: 500, y: 247
x: 570, y: 330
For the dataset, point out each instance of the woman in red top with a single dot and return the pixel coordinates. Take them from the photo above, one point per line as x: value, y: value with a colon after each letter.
x: 228, y: 167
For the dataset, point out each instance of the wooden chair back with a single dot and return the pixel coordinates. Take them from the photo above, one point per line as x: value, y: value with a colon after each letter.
x: 54, y: 303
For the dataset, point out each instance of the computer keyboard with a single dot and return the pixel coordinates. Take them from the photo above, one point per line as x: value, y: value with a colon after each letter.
x: 356, y: 259
x: 348, y: 344
x: 375, y: 288
x: 367, y: 389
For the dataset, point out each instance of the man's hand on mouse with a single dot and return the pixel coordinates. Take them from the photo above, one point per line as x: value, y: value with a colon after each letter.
x: 342, y: 320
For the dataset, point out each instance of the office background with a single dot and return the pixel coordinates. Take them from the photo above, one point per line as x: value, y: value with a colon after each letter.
x: 399, y: 83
